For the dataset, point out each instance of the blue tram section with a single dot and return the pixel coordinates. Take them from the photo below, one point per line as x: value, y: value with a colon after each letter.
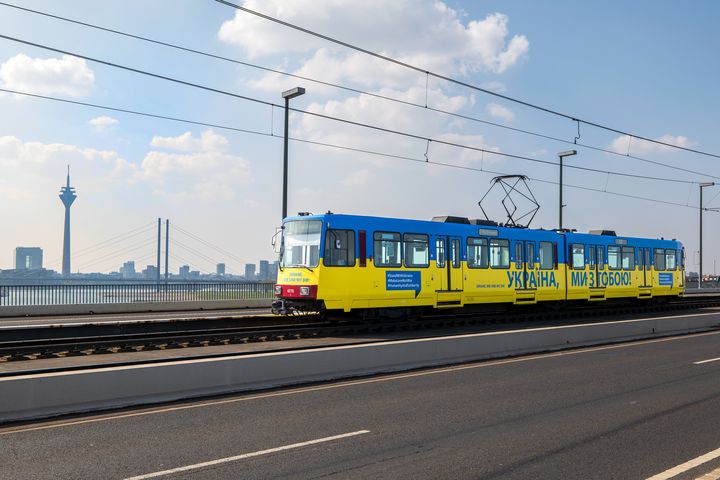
x: 348, y: 262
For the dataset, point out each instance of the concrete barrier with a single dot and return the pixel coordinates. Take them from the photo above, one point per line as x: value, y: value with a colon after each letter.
x: 44, y: 395
x: 139, y: 307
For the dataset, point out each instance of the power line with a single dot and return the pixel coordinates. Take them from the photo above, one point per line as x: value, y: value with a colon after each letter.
x: 336, y: 119
x: 359, y: 150
x: 459, y: 82
x: 373, y: 127
x: 350, y: 89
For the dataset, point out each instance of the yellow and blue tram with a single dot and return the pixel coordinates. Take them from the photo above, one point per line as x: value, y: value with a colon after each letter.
x: 349, y: 263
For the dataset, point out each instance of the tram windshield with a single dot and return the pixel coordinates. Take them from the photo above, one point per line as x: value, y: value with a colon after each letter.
x: 301, y: 244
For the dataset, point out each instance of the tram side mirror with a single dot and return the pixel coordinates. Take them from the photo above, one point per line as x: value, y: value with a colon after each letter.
x: 277, y: 240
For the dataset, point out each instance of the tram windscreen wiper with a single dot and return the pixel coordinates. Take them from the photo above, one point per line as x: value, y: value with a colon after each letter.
x: 299, y: 266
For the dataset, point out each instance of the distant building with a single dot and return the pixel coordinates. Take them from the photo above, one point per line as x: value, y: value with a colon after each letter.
x: 194, y: 275
x: 28, y: 258
x: 273, y: 271
x: 128, y: 270
x: 264, y: 274
x: 184, y: 272
x: 150, y: 272
x: 250, y: 272
x: 220, y: 269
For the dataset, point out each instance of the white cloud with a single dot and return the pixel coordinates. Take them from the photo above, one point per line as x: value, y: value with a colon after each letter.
x: 497, y: 110
x: 202, y: 169
x: 68, y: 75
x: 426, y: 33
x: 103, y: 123
x: 625, y: 144
x: 357, y: 178
x: 208, y: 141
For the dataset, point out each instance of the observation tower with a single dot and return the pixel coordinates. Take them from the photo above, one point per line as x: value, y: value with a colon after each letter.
x: 67, y: 196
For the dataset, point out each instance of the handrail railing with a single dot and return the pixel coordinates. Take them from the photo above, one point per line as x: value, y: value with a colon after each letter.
x: 21, y: 295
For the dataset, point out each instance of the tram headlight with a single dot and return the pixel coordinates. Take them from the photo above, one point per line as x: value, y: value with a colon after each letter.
x: 304, y: 291
x: 278, y: 289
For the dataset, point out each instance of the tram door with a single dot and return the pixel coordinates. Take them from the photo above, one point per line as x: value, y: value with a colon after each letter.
x: 646, y: 264
x: 442, y: 264
x: 520, y: 263
x: 449, y: 258
x: 455, y: 275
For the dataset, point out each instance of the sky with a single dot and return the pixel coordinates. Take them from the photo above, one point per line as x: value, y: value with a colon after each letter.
x: 648, y: 68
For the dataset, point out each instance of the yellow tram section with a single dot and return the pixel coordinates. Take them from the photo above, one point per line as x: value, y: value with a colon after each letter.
x: 350, y: 288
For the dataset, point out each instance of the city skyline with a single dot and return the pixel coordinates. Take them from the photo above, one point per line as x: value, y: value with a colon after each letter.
x: 224, y: 185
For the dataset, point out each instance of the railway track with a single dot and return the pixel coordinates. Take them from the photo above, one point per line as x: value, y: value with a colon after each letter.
x: 59, y: 342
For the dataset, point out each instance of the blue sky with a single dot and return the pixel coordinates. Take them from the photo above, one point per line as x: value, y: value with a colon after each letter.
x: 647, y: 67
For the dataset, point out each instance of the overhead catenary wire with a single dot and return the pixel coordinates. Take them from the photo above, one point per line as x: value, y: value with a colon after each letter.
x: 331, y: 118
x: 354, y: 90
x: 508, y: 98
x: 359, y: 150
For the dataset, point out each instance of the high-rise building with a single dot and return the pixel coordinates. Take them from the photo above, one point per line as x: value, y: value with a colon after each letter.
x: 264, y: 273
x: 273, y: 271
x: 28, y: 258
x: 150, y: 272
x: 220, y: 269
x: 128, y: 270
x: 250, y: 272
x: 184, y: 272
x: 67, y: 196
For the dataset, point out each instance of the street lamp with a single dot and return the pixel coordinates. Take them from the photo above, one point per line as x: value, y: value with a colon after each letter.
x: 568, y: 153
x: 287, y: 95
x: 702, y: 185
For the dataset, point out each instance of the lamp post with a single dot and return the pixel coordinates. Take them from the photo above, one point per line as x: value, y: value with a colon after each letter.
x: 562, y: 155
x: 287, y: 95
x: 702, y: 185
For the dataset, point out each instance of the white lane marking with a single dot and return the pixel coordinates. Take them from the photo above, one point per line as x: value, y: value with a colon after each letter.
x: 246, y: 455
x: 714, y: 475
x: 350, y: 383
x: 689, y: 465
x: 706, y: 361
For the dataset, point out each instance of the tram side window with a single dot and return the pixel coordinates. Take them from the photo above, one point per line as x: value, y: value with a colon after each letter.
x: 670, y: 259
x: 628, y: 258
x: 601, y: 256
x: 477, y: 252
x: 339, y: 248
x: 578, y: 255
x: 455, y: 253
x: 614, y: 257
x: 417, y: 250
x: 518, y: 255
x: 546, y: 256
x: 591, y: 256
x: 440, y: 250
x: 386, y: 249
x: 531, y: 255
x: 659, y: 259
x: 499, y: 253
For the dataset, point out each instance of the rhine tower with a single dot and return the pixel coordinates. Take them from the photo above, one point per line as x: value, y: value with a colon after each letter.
x: 67, y: 196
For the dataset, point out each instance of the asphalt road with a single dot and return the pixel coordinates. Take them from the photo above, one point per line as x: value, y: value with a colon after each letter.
x: 628, y: 411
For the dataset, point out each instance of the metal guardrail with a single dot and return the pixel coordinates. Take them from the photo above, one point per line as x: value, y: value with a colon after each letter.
x: 27, y: 295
